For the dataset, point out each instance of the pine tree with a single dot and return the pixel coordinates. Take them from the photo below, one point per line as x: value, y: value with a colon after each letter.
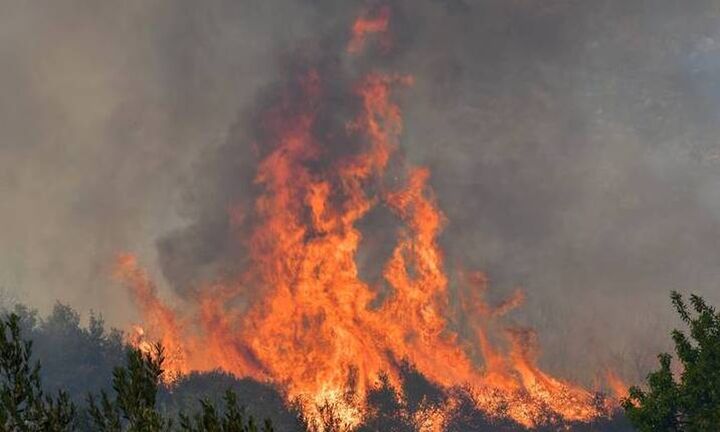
x: 23, y: 405
x: 136, y: 386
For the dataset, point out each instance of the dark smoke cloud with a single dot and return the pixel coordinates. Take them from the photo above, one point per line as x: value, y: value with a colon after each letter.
x: 573, y: 148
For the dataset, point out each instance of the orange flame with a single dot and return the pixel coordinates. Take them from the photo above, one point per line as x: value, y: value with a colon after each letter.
x: 302, y: 317
x: 619, y: 387
x: 370, y: 23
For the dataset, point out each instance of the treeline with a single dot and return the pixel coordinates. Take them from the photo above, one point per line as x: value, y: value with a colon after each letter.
x: 26, y: 407
x: 85, y: 378
x: 89, y: 371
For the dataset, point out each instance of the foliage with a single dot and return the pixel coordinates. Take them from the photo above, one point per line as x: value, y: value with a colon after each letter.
x: 136, y: 386
x: 70, y: 351
x: 75, y: 359
x: 130, y: 396
x: 23, y: 405
x: 259, y: 398
x: 134, y: 407
x: 692, y: 402
x: 234, y: 419
x: 387, y: 410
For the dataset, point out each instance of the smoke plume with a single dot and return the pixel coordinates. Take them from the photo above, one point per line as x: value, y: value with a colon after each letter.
x: 572, y: 144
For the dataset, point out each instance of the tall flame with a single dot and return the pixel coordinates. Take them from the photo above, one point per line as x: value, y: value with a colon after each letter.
x: 316, y: 329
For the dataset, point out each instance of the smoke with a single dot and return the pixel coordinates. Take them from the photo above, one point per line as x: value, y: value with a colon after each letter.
x: 572, y: 146
x: 105, y: 110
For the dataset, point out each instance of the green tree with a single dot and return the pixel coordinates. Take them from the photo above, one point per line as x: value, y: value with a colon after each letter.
x: 136, y: 386
x: 23, y: 405
x: 690, y: 403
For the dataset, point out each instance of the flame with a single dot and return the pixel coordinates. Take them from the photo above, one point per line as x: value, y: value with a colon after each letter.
x: 619, y: 387
x: 301, y: 316
x: 371, y: 22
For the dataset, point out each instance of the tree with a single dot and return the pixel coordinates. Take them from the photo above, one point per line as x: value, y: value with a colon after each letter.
x: 74, y: 358
x: 387, y: 411
x: 133, y: 409
x: 23, y: 405
x: 261, y: 399
x: 690, y: 403
x: 234, y: 419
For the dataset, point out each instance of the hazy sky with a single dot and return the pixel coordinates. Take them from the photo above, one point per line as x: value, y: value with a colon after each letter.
x: 573, y: 145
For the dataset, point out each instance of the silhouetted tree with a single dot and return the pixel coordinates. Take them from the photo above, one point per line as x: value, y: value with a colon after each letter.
x: 261, y: 399
x: 134, y: 407
x: 136, y: 386
x: 23, y: 405
x: 386, y: 411
x: 76, y: 359
x: 233, y: 420
x: 692, y: 402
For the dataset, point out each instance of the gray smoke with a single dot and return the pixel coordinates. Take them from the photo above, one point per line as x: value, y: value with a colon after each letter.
x: 572, y: 146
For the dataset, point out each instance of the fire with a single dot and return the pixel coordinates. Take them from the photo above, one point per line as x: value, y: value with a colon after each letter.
x: 370, y: 22
x: 618, y: 386
x: 301, y: 317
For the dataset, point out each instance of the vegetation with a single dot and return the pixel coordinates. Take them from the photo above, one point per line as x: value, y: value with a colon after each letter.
x: 234, y: 419
x: 136, y: 386
x: 127, y: 393
x: 690, y: 402
x: 23, y: 406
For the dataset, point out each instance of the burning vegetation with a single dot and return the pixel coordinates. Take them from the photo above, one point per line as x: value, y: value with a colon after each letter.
x: 300, y: 315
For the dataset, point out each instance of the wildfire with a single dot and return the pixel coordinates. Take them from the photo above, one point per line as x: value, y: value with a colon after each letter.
x: 374, y: 21
x: 300, y: 315
x: 618, y: 386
